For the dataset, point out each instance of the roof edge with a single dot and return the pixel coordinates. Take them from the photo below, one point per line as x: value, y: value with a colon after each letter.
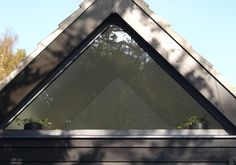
x: 187, y: 46
x: 45, y: 42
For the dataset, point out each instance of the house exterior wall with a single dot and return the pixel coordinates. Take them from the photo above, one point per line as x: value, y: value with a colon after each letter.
x: 184, y: 150
x: 73, y: 151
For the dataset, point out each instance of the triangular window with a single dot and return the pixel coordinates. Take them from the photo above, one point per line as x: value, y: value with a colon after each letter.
x: 115, y: 84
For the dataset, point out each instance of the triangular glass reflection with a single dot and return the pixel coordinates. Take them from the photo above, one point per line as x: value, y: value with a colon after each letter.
x: 115, y: 84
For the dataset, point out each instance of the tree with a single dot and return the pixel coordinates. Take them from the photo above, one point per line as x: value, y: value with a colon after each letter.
x: 9, y: 58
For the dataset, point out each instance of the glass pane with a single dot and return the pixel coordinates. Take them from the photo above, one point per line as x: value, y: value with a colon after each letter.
x: 115, y: 84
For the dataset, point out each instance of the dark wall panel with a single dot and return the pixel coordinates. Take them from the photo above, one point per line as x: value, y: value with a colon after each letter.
x: 118, y: 151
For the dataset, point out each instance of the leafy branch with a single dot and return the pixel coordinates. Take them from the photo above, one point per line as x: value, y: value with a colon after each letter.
x: 44, y: 122
x: 192, y: 122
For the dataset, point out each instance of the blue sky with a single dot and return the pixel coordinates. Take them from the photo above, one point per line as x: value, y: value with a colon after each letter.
x: 209, y: 25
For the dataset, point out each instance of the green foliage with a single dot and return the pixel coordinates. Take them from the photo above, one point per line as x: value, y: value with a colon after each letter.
x: 8, y: 58
x: 44, y: 122
x: 192, y: 122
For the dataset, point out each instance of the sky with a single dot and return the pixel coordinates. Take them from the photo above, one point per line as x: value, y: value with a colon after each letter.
x: 209, y: 25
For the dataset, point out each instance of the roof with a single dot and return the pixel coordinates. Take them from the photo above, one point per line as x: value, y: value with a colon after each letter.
x: 45, y: 42
x: 163, y: 23
x: 158, y: 33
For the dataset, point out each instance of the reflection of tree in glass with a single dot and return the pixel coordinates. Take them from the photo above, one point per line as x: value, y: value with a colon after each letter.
x: 116, y: 42
x: 126, y: 60
x: 115, y: 68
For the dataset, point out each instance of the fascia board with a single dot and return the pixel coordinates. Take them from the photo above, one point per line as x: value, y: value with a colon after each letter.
x: 186, y: 45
